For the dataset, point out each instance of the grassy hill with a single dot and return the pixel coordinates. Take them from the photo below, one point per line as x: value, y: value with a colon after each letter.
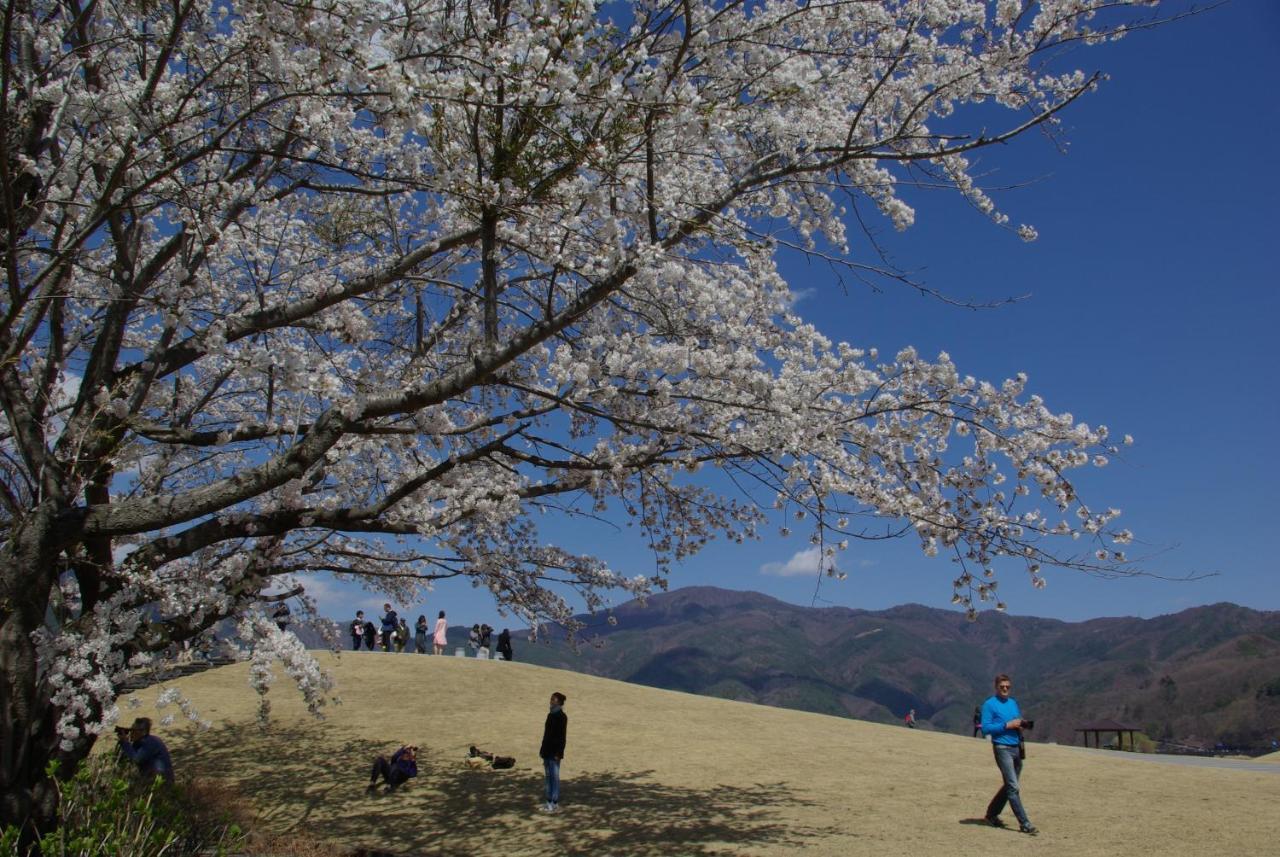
x: 658, y: 772
x: 1198, y: 677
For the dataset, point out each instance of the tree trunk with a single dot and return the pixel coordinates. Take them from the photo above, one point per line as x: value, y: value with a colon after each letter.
x: 28, y: 719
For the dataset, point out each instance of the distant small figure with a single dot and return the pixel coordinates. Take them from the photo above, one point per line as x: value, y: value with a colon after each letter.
x: 442, y: 629
x: 977, y: 721
x: 281, y: 615
x: 371, y: 636
x: 554, y: 733
x: 420, y: 630
x: 389, y: 623
x: 145, y: 750
x: 504, y: 645
x: 401, y: 767
x: 486, y: 638
x: 910, y: 719
x: 402, y: 635
x: 473, y: 640
x: 357, y: 631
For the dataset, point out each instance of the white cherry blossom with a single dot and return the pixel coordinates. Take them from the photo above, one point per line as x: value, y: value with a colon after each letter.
x: 366, y: 287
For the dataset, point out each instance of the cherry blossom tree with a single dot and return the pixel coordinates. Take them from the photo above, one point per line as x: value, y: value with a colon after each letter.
x: 363, y: 287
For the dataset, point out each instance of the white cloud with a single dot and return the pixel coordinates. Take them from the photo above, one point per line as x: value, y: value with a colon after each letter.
x: 807, y: 561
x: 334, y: 599
x: 798, y: 295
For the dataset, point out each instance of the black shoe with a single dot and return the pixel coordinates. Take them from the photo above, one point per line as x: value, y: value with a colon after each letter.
x: 1029, y: 829
x: 994, y: 821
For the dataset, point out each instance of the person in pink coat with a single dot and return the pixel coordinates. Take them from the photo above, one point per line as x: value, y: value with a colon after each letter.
x: 442, y: 629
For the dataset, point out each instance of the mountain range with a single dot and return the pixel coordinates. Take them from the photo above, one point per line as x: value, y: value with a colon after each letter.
x: 1199, y: 678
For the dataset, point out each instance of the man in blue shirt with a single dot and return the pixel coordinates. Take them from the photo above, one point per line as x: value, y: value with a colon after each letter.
x: 1003, y: 721
x: 146, y: 750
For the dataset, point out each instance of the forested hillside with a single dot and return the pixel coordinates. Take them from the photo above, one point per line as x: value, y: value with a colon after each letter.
x: 1199, y: 677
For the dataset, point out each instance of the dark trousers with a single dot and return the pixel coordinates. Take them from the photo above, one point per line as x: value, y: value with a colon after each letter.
x: 382, y: 768
x: 355, y: 642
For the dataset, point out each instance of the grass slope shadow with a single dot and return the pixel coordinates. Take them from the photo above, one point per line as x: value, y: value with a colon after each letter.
x: 297, y: 782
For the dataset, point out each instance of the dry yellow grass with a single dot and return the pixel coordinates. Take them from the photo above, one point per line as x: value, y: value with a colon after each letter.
x: 653, y: 772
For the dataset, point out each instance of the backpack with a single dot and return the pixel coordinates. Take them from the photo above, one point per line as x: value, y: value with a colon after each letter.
x: 475, y: 755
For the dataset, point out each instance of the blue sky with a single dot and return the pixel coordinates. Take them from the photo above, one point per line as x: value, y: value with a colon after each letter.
x: 1152, y: 302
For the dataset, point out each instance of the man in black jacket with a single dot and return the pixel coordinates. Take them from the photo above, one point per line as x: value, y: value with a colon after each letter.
x: 389, y: 622
x: 281, y: 616
x: 357, y: 631
x: 552, y: 750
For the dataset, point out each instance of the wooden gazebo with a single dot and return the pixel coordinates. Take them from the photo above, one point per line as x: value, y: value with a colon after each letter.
x: 1097, y: 727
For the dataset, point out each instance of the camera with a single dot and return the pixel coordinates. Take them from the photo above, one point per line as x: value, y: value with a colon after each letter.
x: 1028, y: 724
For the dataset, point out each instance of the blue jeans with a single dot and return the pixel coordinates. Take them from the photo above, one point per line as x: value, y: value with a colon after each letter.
x: 1010, y: 769
x: 551, y: 768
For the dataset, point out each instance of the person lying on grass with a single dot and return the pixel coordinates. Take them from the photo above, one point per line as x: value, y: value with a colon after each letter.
x: 402, y: 766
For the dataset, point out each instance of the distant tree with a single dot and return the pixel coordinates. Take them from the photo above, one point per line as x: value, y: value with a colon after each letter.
x: 362, y: 287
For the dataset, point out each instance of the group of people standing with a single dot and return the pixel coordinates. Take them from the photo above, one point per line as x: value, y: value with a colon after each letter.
x: 392, y: 633
x: 480, y: 638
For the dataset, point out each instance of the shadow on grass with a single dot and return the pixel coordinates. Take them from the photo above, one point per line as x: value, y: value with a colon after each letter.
x: 982, y: 822
x: 312, y: 779
x: 290, y: 774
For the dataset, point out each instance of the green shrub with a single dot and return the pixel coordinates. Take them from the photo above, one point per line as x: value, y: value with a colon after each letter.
x: 105, y: 810
x: 1144, y: 743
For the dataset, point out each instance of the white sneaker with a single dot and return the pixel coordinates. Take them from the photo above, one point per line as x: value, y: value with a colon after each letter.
x: 547, y: 807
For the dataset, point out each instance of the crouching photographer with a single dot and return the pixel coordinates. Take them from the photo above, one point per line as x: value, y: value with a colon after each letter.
x: 138, y: 745
x: 400, y: 768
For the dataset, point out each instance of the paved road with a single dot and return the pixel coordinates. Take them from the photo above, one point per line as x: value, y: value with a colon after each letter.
x: 1191, y: 761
